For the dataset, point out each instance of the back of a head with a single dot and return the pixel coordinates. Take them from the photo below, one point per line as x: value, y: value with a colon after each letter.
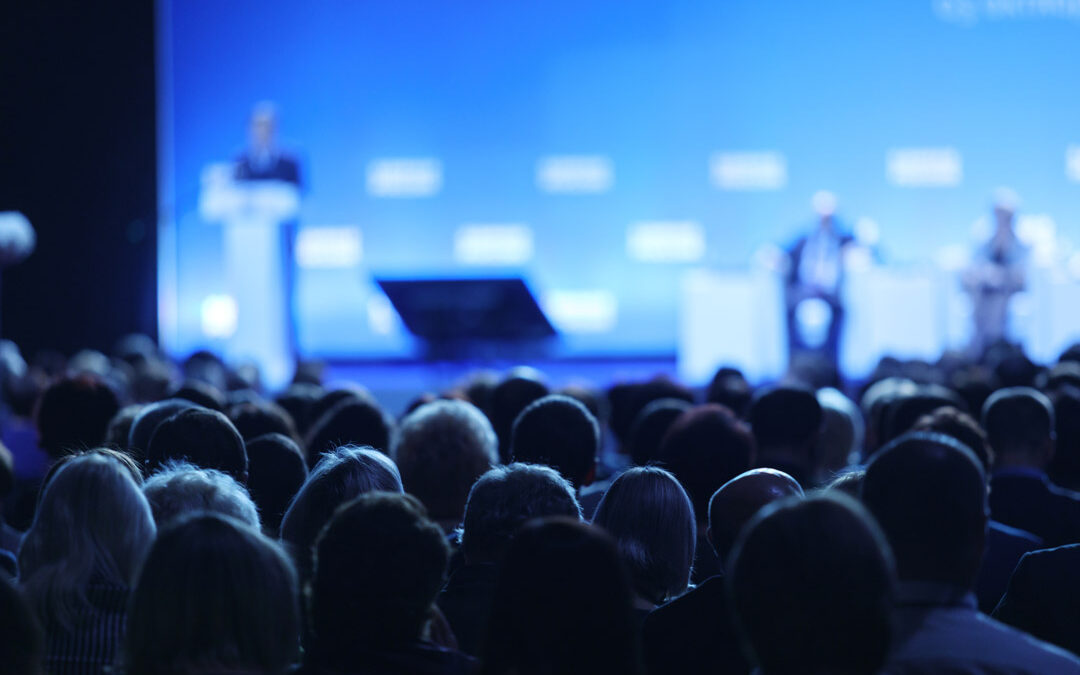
x: 377, y: 595
x: 652, y: 520
x: 276, y: 471
x: 904, y: 411
x: 811, y: 584
x: 181, y: 489
x: 341, y: 475
x: 442, y: 448
x: 929, y: 494
x: 840, y: 438
x: 74, y: 413
x: 506, y: 497
x: 146, y: 423
x: 1019, y: 421
x: 214, y: 596
x: 258, y: 418
x: 706, y: 447
x: 202, y: 394
x: 627, y: 400
x: 730, y: 389
x: 353, y: 421
x: 92, y: 523
x: 740, y: 499
x: 205, y: 438
x: 559, y: 432
x: 961, y: 426
x: 563, y: 604
x: 650, y: 426
x: 505, y: 403
x: 299, y: 400
x: 785, y: 417
x: 1064, y: 468
x: 119, y: 429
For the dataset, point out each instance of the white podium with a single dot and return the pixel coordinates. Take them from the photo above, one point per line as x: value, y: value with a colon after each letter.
x: 252, y: 215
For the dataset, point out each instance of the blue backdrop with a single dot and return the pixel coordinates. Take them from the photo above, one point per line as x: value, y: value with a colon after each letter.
x: 488, y: 89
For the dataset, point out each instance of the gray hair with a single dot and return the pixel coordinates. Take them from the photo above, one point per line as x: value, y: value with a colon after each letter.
x: 442, y: 448
x: 506, y: 497
x: 92, y: 524
x: 181, y: 488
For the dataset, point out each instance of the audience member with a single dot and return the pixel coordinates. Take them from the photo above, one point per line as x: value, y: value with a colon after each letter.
x: 500, y: 502
x: 840, y: 439
x: 276, y: 471
x: 202, y: 394
x: 706, y: 447
x: 694, y: 633
x: 649, y: 427
x: 258, y: 417
x: 442, y: 448
x: 79, y: 558
x: 119, y: 429
x: 1043, y: 597
x: 507, y: 400
x: 811, y: 585
x: 341, y: 475
x: 1004, y: 545
x: 786, y: 422
x: 928, y: 492
x: 563, y: 604
x: 370, y: 605
x: 214, y: 596
x: 1020, y: 425
x: 353, y: 421
x: 73, y: 414
x: 730, y: 389
x: 651, y: 518
x: 559, y: 432
x: 180, y: 489
x: 1064, y: 468
x: 205, y: 438
x: 146, y: 423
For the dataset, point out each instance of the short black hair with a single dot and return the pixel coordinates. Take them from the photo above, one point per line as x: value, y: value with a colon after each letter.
x: 257, y: 417
x: 929, y: 494
x: 729, y: 388
x: 811, y: 585
x: 785, y: 415
x: 380, y: 563
x: 146, y: 423
x: 276, y: 471
x: 1018, y: 419
x: 506, y: 497
x: 560, y: 432
x: 353, y: 421
x: 213, y: 591
x: 706, y: 447
x: 650, y: 426
x: 205, y: 438
x: 961, y: 426
x: 505, y: 403
x: 73, y: 413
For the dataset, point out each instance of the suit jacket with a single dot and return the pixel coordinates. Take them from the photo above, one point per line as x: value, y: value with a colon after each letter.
x: 466, y: 604
x: 283, y: 167
x: 1043, y: 597
x: 1029, y: 501
x: 1005, y: 546
x: 693, y: 634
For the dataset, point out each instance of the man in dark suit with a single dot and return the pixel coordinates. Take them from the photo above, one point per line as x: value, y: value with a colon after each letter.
x: 264, y: 160
x: 815, y: 272
x: 1019, y: 422
x: 694, y: 634
x: 1043, y: 597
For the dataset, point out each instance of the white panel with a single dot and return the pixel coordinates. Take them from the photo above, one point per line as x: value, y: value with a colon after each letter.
x: 404, y: 177
x: 329, y: 247
x: 666, y: 241
x: 493, y: 244
x: 575, y: 174
x: 924, y: 167
x: 748, y: 170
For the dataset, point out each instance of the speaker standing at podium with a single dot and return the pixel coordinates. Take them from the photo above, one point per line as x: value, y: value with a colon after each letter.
x: 265, y: 161
x: 813, y: 286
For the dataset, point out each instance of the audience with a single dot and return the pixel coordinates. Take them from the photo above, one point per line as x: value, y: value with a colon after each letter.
x: 563, y: 604
x: 487, y: 566
x: 180, y: 489
x: 500, y: 502
x: 205, y: 438
x: 928, y: 493
x: 694, y: 633
x: 652, y: 521
x: 79, y: 558
x: 276, y: 471
x: 214, y: 596
x: 442, y: 448
x: 811, y: 586
x: 706, y: 447
x: 370, y: 605
x: 340, y: 476
x: 1019, y: 422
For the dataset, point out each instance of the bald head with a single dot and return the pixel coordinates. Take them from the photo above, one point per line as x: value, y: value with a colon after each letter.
x: 739, y: 499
